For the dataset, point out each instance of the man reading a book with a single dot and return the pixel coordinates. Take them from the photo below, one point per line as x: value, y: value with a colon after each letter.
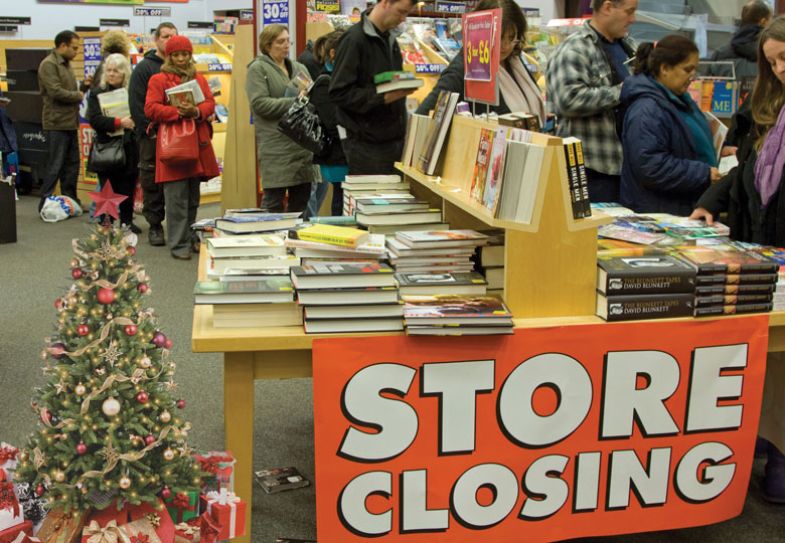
x: 375, y: 124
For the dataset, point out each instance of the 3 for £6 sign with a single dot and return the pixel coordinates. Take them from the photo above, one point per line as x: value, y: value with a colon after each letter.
x: 478, y: 37
x: 555, y: 433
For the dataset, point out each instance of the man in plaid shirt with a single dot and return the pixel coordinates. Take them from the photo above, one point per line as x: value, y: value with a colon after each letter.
x: 584, y: 79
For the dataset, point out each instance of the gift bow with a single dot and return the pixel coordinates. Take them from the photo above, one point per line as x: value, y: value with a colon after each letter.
x: 208, y: 528
x: 182, y: 502
x: 224, y: 497
x: 186, y: 529
x: 212, y: 463
x: 110, y: 533
x: 8, y: 499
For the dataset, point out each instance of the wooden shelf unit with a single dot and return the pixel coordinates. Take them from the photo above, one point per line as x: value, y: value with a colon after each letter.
x: 552, y: 254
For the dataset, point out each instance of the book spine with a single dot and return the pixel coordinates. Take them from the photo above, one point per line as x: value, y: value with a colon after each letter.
x: 732, y: 309
x: 573, y: 181
x: 735, y: 279
x: 583, y: 178
x: 626, y: 284
x: 731, y: 299
x: 629, y: 308
x: 705, y: 290
x: 331, y: 240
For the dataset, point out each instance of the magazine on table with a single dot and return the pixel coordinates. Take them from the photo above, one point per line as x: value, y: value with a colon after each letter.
x: 115, y: 104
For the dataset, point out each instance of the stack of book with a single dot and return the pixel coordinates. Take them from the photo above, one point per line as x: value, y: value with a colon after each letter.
x: 456, y: 315
x: 429, y: 284
x: 328, y: 243
x: 254, y: 221
x: 363, y: 185
x: 348, y: 297
x: 490, y: 261
x: 729, y: 282
x: 249, y: 255
x: 644, y: 287
x: 434, y: 251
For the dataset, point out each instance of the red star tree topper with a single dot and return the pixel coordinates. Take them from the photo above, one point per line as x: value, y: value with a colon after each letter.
x: 106, y: 201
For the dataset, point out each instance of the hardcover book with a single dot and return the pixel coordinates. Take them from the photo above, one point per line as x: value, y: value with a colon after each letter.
x: 343, y: 236
x: 431, y: 239
x: 707, y: 290
x: 731, y: 299
x: 333, y: 326
x: 280, y: 479
x: 707, y: 260
x: 644, y: 306
x: 651, y: 274
x: 346, y: 275
x: 269, y: 290
x: 732, y: 309
x: 342, y: 296
x: 356, y: 311
x: 437, y: 131
x: 256, y: 222
x: 480, y: 172
x: 251, y: 245
x: 741, y: 279
x: 426, y: 216
x: 454, y: 309
x: 467, y: 283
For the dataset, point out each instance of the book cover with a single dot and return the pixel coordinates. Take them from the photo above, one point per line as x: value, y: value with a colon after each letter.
x: 495, y: 174
x: 255, y: 223
x: 437, y: 131
x: 356, y: 311
x: 426, y: 216
x: 343, y: 236
x: 399, y: 84
x: 708, y: 260
x: 274, y: 284
x: 480, y: 171
x: 644, y: 306
x: 583, y: 178
x: 279, y: 479
x: 650, y: 274
x: 337, y: 326
x: 219, y: 266
x: 440, y: 238
x: 735, y: 279
x: 448, y: 306
x: 732, y: 309
x: 625, y: 233
x: 251, y: 245
x: 573, y: 178
x: 386, y: 205
x: 460, y: 283
x: 343, y: 296
x: 708, y: 290
x: 731, y: 299
x: 346, y: 275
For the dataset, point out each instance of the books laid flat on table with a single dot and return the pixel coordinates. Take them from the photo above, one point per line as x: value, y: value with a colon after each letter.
x: 280, y: 479
x: 445, y: 309
x: 257, y: 315
x: 363, y: 311
x: 373, y: 247
x: 644, y: 306
x: 390, y: 81
x: 218, y: 266
x: 466, y: 283
x: 392, y: 229
x: 374, y: 206
x: 244, y: 223
x: 344, y: 296
x: 733, y: 309
x: 330, y: 326
x: 343, y: 236
x: 432, y: 239
x: 654, y: 274
x: 268, y: 290
x: 709, y: 260
x: 398, y: 250
x: 404, y: 217
x: 347, y: 275
x: 251, y: 245
x: 437, y: 132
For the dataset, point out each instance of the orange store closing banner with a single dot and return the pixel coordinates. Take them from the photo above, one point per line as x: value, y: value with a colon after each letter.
x: 544, y: 435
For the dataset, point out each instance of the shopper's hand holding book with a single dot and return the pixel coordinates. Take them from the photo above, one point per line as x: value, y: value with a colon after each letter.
x: 188, y: 111
x: 128, y: 123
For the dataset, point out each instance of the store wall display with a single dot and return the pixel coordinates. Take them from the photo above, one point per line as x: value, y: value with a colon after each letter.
x: 558, y: 433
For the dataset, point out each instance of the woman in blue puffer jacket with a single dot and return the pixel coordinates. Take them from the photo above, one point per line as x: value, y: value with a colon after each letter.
x: 669, y: 155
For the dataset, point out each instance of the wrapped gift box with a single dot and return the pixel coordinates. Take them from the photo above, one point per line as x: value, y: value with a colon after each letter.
x: 183, y: 506
x: 93, y: 532
x: 219, y: 465
x: 155, y: 518
x: 8, y: 460
x: 228, y: 511
x: 25, y: 538
x: 10, y: 535
x: 61, y: 527
x: 187, y: 532
x: 141, y: 531
x: 10, y: 510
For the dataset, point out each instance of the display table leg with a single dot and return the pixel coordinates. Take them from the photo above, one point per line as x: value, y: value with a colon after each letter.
x: 238, y: 425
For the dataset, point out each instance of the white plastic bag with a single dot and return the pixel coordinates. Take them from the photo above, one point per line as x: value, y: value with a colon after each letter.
x: 59, y: 208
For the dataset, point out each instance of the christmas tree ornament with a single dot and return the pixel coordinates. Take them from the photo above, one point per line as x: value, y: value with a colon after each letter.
x: 105, y: 296
x: 110, y: 407
x: 82, y: 330
x: 142, y: 288
x: 165, y: 416
x: 131, y: 329
x: 180, y: 404
x: 131, y: 250
x: 58, y: 476
x: 81, y: 449
x: 159, y: 339
x: 59, y: 304
x: 57, y: 350
x: 168, y: 343
x: 142, y: 397
x: 80, y: 389
x: 39, y: 490
x: 124, y: 483
x: 145, y: 362
x: 166, y: 493
x: 168, y: 454
x: 106, y: 202
x: 150, y: 439
x: 77, y: 273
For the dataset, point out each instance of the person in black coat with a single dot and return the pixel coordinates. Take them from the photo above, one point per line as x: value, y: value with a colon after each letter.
x: 115, y: 75
x: 518, y: 89
x: 669, y: 154
x: 753, y: 198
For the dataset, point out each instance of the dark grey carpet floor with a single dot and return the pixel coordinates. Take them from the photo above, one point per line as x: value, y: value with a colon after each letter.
x: 34, y: 271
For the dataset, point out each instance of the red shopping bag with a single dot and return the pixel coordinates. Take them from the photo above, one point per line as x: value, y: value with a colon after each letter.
x: 178, y: 142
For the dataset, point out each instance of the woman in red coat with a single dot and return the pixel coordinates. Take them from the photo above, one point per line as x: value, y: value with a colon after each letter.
x: 181, y: 181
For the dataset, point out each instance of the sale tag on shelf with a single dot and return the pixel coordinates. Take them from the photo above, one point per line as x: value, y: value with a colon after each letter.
x: 482, y: 42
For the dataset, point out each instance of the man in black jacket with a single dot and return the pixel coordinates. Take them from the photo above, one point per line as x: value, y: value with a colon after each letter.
x: 137, y: 92
x: 375, y: 124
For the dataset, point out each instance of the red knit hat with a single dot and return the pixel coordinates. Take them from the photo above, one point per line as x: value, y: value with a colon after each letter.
x: 178, y: 43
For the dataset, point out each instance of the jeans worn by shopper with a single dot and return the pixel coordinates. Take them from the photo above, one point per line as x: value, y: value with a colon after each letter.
x: 182, y: 203
x: 63, y: 164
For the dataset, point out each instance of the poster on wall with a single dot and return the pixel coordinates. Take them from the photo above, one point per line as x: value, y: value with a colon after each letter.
x: 482, y: 42
x: 274, y: 12
x: 92, y: 54
x: 556, y: 433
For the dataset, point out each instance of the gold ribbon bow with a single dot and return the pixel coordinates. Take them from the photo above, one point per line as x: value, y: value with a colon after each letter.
x: 110, y: 533
x: 186, y: 529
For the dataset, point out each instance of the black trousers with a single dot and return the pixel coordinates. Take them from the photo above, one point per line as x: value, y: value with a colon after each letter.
x: 272, y: 199
x: 372, y: 158
x: 63, y: 158
x: 154, y: 201
x: 603, y: 187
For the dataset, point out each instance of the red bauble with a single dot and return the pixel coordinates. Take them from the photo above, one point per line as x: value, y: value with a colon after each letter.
x: 142, y: 397
x: 159, y: 339
x: 131, y: 330
x: 168, y: 343
x: 81, y: 449
x: 142, y: 288
x: 166, y: 493
x: 180, y: 404
x: 82, y: 330
x: 131, y: 250
x: 106, y: 296
x: 149, y: 440
x: 39, y: 490
x: 58, y: 303
x: 77, y: 273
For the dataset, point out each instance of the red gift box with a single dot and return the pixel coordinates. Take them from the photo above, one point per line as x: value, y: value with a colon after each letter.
x: 208, y: 529
x: 25, y: 538
x: 220, y: 465
x: 10, y: 534
x: 187, y: 531
x: 164, y: 527
x: 228, y: 511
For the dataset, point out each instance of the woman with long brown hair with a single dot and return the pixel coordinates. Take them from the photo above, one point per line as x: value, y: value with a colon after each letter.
x: 752, y: 196
x: 181, y: 180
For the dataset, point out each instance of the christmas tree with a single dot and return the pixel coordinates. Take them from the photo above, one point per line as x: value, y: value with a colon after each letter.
x: 109, y: 429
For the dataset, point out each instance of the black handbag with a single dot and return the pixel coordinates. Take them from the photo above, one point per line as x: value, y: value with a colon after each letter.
x: 106, y: 155
x: 302, y: 125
